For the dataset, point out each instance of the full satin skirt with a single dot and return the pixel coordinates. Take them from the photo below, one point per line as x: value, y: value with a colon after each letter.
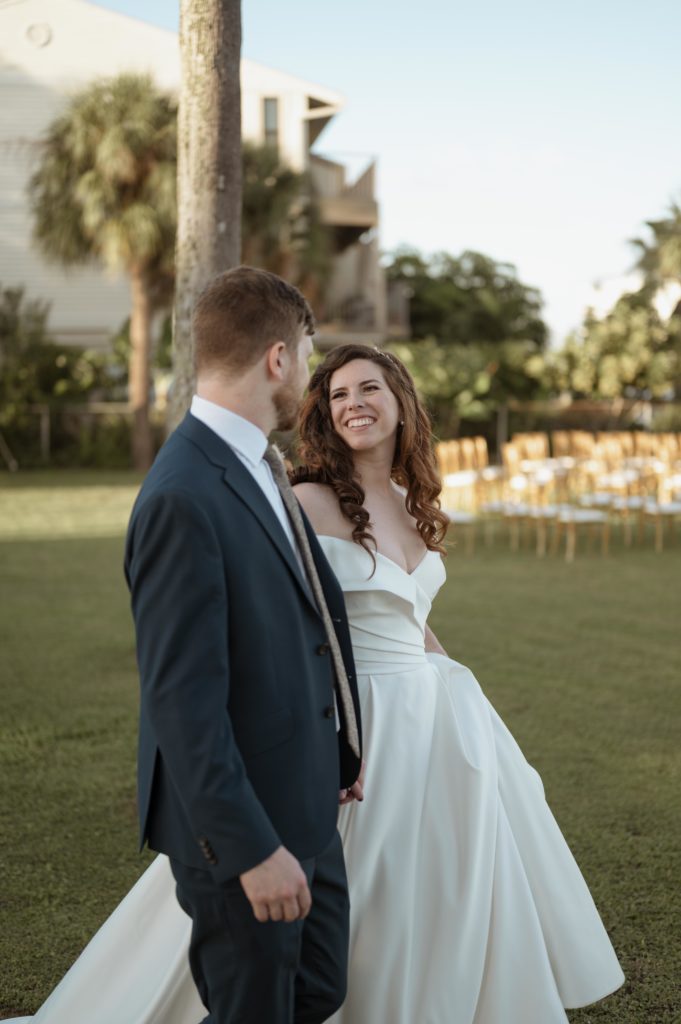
x: 467, y: 906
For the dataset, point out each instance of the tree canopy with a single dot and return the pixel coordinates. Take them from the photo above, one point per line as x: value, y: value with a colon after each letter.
x: 105, y: 189
x: 468, y: 299
x: 478, y: 335
x: 659, y: 256
x: 105, y: 186
x: 631, y: 352
x: 281, y: 226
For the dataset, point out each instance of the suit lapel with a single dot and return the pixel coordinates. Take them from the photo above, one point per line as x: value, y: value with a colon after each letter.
x: 247, y: 490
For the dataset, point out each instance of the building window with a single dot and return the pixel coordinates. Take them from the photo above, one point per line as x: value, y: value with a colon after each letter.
x: 271, y: 121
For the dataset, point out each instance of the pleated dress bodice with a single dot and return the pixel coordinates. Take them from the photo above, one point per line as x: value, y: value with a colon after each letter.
x: 387, y: 606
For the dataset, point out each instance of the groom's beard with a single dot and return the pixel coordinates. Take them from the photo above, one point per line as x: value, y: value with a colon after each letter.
x: 287, y: 402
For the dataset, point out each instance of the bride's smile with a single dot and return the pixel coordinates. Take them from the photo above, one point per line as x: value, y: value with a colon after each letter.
x: 356, y: 423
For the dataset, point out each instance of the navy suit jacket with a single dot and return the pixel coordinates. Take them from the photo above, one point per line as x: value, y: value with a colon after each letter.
x: 238, y: 749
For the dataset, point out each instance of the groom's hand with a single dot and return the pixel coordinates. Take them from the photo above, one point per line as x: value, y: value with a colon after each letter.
x: 277, y: 889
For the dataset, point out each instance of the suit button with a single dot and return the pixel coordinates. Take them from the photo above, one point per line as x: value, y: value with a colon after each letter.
x: 330, y: 711
x: 323, y: 648
x: 207, y: 850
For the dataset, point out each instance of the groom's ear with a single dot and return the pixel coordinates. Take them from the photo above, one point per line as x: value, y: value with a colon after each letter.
x: 276, y: 361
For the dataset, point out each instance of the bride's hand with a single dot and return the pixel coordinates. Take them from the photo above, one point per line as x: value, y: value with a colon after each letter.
x: 356, y: 791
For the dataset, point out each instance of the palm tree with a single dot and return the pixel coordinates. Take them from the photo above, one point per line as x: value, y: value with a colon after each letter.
x: 105, y: 190
x: 271, y: 200
x: 281, y: 225
x: 209, y: 169
x: 660, y: 258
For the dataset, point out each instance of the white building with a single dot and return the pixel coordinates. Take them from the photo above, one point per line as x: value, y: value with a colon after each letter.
x: 49, y: 48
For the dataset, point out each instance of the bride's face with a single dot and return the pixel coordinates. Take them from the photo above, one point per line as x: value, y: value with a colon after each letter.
x: 364, y: 410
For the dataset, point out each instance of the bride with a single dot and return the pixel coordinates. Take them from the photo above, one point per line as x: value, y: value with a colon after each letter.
x: 467, y: 906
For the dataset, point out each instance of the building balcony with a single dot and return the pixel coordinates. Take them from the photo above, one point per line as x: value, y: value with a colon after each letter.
x: 347, y: 207
x: 363, y: 319
x: 357, y: 306
x: 353, y: 320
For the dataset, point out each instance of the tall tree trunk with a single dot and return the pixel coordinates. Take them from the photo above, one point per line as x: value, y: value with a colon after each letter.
x: 208, y: 171
x: 139, y: 373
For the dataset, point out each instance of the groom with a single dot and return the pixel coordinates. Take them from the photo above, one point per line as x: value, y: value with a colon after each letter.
x: 249, y: 721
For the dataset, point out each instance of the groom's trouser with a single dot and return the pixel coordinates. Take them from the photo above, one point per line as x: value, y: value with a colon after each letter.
x: 248, y: 972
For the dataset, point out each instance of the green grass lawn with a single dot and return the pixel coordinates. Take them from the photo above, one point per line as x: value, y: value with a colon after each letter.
x: 582, y: 661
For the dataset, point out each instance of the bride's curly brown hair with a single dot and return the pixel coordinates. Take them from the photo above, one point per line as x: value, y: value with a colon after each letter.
x: 327, y: 459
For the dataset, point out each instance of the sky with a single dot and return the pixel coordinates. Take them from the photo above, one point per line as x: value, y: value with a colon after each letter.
x: 543, y: 134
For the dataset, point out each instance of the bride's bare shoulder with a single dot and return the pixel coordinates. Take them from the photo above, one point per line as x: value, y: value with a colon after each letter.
x: 321, y: 506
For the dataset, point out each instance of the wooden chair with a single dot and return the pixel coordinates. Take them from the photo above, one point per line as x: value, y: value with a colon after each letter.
x: 570, y: 521
x: 663, y: 513
x: 490, y: 490
x: 466, y: 522
x: 447, y: 455
x: 561, y: 447
x: 458, y: 497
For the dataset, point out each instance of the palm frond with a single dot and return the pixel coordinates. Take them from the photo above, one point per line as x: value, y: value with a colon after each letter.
x: 105, y: 187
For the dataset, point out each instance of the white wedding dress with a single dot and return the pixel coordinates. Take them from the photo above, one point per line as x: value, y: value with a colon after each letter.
x: 467, y: 906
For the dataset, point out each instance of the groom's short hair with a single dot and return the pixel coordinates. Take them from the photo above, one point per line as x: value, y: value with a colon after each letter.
x: 241, y: 313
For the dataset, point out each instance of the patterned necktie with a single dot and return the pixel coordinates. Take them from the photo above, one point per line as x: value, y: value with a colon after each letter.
x: 275, y: 461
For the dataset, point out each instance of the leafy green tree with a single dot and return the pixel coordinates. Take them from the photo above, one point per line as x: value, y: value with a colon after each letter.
x: 34, y: 371
x: 23, y: 337
x: 468, y: 299
x: 479, y: 338
x: 629, y: 352
x: 105, y: 190
x: 471, y: 381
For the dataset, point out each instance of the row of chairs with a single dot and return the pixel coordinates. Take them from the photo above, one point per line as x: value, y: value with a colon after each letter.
x: 570, y: 484
x: 630, y: 444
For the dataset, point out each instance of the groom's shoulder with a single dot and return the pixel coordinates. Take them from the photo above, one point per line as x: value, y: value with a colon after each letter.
x: 180, y: 470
